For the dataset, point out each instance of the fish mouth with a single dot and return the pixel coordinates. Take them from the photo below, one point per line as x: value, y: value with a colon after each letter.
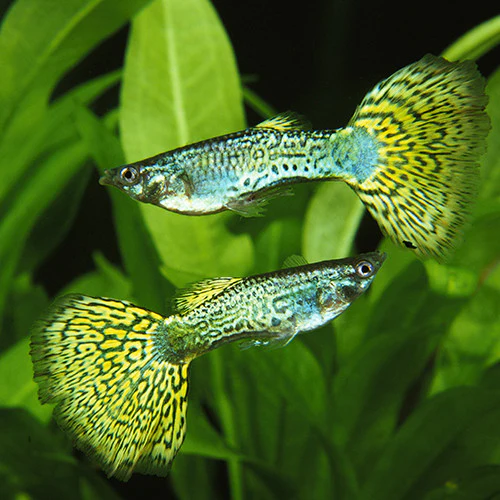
x: 106, y: 178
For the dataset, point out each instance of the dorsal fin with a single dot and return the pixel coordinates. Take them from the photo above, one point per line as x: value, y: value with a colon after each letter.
x: 294, y: 261
x: 189, y: 298
x: 289, y: 120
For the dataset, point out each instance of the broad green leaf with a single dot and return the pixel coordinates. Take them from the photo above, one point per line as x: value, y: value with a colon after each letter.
x: 56, y: 42
x: 202, y: 439
x: 139, y: 255
x: 270, y: 400
x: 473, y: 342
x: 409, y: 466
x: 476, y: 484
x: 25, y: 303
x: 331, y: 222
x: 279, y: 239
x: 407, y: 322
x: 194, y: 478
x: 33, y: 464
x: 32, y: 199
x: 18, y: 389
x: 476, y: 42
x: 181, y: 85
x: 55, y: 130
x: 36, y: 49
x: 474, y: 255
x: 55, y: 222
x: 490, y: 163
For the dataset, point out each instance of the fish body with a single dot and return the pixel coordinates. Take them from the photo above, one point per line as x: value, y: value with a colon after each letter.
x: 269, y: 308
x: 118, y: 373
x: 410, y: 152
x: 241, y: 171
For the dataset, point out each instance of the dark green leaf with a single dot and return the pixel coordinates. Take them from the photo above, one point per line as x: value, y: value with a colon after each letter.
x: 32, y: 462
x: 409, y: 467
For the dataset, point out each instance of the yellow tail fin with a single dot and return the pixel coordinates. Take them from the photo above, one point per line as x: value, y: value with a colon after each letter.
x: 431, y: 126
x: 120, y: 392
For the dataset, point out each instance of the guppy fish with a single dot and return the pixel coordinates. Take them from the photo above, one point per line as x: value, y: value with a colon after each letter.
x: 119, y: 373
x: 410, y: 152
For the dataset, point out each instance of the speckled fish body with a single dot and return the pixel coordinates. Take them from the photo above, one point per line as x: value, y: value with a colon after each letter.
x: 270, y: 308
x: 239, y: 171
x: 118, y: 373
x: 410, y: 152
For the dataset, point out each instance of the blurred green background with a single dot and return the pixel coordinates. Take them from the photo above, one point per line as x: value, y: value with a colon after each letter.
x: 398, y: 399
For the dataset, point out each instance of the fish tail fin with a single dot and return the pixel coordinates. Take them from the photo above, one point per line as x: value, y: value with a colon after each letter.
x: 120, y: 390
x: 429, y: 123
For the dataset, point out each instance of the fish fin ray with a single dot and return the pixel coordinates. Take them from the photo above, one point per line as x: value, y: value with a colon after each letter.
x: 197, y: 293
x: 269, y: 341
x: 253, y: 204
x: 96, y: 359
x: 294, y: 261
x: 430, y: 123
x: 289, y: 120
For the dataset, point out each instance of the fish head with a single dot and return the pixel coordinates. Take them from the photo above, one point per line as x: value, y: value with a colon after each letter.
x: 148, y: 182
x: 346, y: 279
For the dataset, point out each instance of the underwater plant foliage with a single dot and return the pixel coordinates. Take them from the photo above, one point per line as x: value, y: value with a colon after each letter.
x: 399, y: 398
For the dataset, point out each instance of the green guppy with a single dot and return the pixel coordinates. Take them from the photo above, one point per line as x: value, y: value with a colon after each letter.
x: 410, y: 152
x: 118, y: 373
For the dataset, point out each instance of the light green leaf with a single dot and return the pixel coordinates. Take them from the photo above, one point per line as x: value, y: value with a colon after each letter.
x: 181, y: 85
x: 476, y: 42
x: 18, y: 390
x: 473, y: 342
x: 105, y: 281
x: 32, y: 199
x: 490, y: 163
x: 331, y: 222
x: 36, y: 49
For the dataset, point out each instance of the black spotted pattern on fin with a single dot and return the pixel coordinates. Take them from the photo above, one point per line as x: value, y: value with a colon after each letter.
x: 430, y: 122
x: 120, y: 398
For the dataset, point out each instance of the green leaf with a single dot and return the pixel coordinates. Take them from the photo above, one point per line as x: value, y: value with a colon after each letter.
x: 476, y: 42
x: 106, y: 281
x: 412, y: 464
x: 56, y: 43
x: 36, y: 50
x: 139, y: 254
x: 31, y: 200
x: 202, y: 439
x: 370, y: 388
x: 194, y: 478
x: 181, y: 85
x: 490, y: 163
x: 279, y: 239
x: 477, y: 484
x: 32, y: 463
x: 473, y: 342
x: 18, y: 390
x: 331, y: 222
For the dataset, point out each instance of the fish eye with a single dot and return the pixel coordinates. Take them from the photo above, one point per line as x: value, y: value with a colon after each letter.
x: 364, y: 269
x: 129, y: 175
